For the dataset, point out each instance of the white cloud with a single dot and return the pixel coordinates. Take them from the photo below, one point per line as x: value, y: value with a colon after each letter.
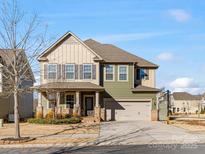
x: 185, y: 84
x: 165, y: 56
x: 129, y: 36
x: 179, y: 15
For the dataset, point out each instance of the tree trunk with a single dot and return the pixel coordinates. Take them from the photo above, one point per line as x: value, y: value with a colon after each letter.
x: 16, y: 115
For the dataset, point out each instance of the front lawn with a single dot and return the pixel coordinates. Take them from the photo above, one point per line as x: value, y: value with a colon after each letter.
x: 51, y: 133
x: 190, y: 125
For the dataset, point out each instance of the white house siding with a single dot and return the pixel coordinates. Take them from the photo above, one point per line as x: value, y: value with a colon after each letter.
x: 191, y: 106
x: 70, y: 51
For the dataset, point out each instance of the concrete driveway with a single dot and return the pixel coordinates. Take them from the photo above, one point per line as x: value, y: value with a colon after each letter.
x: 144, y: 132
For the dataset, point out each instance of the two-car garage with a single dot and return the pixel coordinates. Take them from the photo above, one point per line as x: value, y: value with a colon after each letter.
x: 128, y: 110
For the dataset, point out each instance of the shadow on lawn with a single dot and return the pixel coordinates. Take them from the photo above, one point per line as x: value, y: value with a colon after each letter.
x: 72, y: 128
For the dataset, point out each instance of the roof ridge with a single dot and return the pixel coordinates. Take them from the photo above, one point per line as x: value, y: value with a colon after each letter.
x: 132, y: 54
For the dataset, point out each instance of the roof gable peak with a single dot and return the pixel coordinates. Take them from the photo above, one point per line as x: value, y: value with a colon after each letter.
x: 60, y: 40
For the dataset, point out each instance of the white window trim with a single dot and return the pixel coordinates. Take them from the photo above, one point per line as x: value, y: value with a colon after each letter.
x: 48, y: 71
x: 91, y: 72
x: 119, y: 73
x: 69, y: 93
x: 73, y: 71
x: 112, y: 72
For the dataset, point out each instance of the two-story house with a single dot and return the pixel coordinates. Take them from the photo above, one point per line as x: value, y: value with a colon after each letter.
x: 6, y: 96
x: 185, y: 103
x: 95, y: 79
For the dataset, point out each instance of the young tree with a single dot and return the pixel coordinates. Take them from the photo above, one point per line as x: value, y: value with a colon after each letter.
x: 21, y: 40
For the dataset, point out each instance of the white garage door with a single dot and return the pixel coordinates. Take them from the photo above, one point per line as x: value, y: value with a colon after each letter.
x: 133, y: 111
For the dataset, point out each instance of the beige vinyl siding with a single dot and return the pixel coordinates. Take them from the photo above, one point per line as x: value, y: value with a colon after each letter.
x: 191, y: 106
x: 71, y: 51
x: 151, y: 81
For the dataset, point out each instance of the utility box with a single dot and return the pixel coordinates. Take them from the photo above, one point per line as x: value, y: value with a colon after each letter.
x: 1, y: 123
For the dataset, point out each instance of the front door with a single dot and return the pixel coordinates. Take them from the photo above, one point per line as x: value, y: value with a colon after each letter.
x: 89, y: 106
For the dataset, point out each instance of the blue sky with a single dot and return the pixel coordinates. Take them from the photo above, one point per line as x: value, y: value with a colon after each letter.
x: 170, y: 33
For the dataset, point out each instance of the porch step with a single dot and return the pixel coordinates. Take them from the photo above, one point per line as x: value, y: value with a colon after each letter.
x: 89, y: 119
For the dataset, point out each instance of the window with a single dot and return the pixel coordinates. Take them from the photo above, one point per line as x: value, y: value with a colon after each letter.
x: 142, y: 73
x: 109, y: 72
x: 87, y: 71
x: 123, y: 74
x: 70, y: 71
x: 69, y: 100
x: 177, y: 109
x: 52, y: 71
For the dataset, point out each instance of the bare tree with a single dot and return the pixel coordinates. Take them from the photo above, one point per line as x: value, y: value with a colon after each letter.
x: 21, y: 40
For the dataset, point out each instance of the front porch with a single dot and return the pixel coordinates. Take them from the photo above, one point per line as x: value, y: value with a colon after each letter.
x: 70, y: 101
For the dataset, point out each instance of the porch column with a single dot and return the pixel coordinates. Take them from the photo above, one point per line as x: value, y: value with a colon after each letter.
x: 39, y: 108
x: 58, y: 99
x: 76, y: 110
x: 39, y: 99
x: 97, y: 99
x: 77, y: 98
x: 97, y: 107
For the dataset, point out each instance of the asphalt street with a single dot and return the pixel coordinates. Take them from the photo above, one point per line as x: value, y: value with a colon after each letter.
x: 119, y: 149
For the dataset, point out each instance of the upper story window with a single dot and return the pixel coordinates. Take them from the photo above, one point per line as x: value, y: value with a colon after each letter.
x: 70, y: 71
x: 52, y: 71
x: 142, y: 73
x: 109, y: 72
x: 87, y: 71
x: 123, y: 72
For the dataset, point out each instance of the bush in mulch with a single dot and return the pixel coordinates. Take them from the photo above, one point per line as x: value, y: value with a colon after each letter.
x: 72, y: 120
x: 16, y: 140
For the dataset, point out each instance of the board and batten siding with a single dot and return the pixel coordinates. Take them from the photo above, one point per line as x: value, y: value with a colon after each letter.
x: 71, y: 51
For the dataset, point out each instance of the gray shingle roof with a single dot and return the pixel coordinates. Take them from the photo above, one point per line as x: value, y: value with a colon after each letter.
x: 185, y: 96
x: 6, y: 55
x: 113, y: 54
x: 141, y: 88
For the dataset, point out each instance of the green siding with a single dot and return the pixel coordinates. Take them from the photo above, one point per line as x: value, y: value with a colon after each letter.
x: 122, y: 89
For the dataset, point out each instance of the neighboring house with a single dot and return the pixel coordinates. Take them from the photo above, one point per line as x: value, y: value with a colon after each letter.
x: 183, y: 102
x: 94, y: 79
x: 7, y: 102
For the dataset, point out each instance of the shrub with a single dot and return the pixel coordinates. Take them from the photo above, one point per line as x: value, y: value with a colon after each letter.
x: 73, y: 120
x: 65, y: 116
x: 39, y: 115
x: 50, y: 115
x: 59, y: 116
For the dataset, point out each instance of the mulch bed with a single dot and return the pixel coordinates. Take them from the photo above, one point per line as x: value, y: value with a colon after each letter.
x: 15, y: 140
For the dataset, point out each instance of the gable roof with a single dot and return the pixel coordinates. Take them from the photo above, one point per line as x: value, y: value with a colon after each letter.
x: 6, y: 56
x: 185, y: 96
x: 111, y: 53
x: 60, y: 40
